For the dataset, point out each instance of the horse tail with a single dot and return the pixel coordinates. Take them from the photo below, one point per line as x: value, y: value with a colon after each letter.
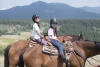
x: 21, y: 62
x: 6, y: 58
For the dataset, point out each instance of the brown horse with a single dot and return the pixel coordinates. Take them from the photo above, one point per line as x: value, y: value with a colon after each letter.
x: 34, y: 57
x: 13, y: 51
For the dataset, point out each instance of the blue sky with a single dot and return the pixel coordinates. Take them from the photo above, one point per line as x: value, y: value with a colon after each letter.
x: 5, y: 4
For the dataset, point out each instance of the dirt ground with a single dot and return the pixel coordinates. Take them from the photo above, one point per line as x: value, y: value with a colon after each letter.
x: 1, y: 61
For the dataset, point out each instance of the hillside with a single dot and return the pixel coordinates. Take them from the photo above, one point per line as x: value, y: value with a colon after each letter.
x: 46, y: 11
x: 92, y: 9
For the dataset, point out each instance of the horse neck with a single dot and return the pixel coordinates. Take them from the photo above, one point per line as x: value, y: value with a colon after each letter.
x: 90, y: 48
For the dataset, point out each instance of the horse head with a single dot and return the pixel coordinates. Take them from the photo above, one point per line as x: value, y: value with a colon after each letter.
x: 97, y: 47
x: 77, y: 37
x: 72, y: 37
x: 90, y: 48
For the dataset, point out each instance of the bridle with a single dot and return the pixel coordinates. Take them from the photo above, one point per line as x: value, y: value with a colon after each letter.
x: 75, y: 52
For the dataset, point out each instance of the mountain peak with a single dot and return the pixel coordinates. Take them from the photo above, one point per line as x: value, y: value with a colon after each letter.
x: 39, y: 2
x: 47, y: 11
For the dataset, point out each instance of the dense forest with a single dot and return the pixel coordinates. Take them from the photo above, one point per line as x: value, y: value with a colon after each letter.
x: 90, y: 28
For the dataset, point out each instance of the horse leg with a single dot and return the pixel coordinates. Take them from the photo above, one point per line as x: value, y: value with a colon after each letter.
x: 13, y: 62
x: 12, y: 65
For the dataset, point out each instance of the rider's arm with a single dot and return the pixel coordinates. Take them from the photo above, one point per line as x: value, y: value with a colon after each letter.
x: 50, y: 37
x: 39, y: 33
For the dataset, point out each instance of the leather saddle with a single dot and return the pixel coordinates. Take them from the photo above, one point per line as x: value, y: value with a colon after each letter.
x: 32, y: 42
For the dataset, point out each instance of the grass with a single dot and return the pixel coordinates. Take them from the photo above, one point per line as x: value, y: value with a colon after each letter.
x: 8, y: 40
x: 2, y: 48
x: 1, y: 59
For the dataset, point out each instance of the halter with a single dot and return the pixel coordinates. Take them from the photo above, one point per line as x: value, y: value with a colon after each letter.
x: 69, y: 45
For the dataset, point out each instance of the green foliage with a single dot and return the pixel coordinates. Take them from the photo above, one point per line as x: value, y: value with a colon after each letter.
x: 2, y: 48
x: 5, y: 40
x: 90, y: 28
x: 12, y: 26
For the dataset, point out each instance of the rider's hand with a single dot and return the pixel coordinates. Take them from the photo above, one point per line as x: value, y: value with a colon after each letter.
x: 57, y: 39
x: 46, y: 37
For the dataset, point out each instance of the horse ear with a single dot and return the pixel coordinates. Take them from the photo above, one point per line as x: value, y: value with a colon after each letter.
x: 81, y: 35
x: 95, y: 42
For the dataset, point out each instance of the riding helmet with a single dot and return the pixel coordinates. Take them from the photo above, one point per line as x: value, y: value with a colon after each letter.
x: 35, y: 16
x: 53, y: 21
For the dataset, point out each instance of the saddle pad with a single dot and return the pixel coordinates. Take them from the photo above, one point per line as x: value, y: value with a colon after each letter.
x: 50, y: 50
x: 32, y: 43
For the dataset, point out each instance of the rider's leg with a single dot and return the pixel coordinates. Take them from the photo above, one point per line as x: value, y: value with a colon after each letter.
x: 41, y: 41
x: 58, y: 45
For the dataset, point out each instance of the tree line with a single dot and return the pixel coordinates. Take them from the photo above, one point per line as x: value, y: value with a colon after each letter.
x: 90, y: 28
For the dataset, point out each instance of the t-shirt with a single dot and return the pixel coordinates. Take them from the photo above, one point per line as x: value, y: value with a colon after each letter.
x: 34, y: 32
x: 51, y: 33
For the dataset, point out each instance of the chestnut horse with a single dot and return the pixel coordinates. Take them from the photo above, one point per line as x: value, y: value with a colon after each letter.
x: 13, y: 51
x: 34, y: 57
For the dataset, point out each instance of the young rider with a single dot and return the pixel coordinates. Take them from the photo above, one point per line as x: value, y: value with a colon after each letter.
x: 52, y: 35
x: 36, y: 30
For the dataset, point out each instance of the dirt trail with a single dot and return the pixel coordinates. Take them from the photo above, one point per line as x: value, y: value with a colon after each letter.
x: 1, y: 61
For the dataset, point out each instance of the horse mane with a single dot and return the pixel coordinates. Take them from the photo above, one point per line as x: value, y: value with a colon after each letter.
x: 92, y: 41
x: 97, y: 43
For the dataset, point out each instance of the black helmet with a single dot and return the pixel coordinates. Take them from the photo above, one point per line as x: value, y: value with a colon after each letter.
x: 53, y: 21
x: 35, y: 16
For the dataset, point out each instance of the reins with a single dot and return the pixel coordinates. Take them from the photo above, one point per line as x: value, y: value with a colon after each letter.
x: 84, y: 59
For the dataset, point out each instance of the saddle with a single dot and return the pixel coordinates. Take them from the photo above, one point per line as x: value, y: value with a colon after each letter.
x: 32, y: 42
x: 51, y: 50
x: 48, y: 49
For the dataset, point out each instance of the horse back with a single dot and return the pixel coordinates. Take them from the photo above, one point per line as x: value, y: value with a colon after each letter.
x: 15, y: 50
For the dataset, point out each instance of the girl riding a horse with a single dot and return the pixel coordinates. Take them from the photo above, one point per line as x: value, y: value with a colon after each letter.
x: 52, y: 37
x: 36, y: 30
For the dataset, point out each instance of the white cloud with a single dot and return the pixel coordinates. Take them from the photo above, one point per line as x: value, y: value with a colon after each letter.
x: 81, y: 3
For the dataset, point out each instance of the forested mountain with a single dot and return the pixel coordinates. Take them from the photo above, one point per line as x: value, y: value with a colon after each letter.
x: 46, y: 11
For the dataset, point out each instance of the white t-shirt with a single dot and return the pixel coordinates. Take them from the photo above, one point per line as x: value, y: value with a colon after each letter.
x: 34, y: 32
x: 51, y: 33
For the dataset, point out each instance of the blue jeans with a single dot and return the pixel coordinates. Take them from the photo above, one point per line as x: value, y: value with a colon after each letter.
x: 58, y: 45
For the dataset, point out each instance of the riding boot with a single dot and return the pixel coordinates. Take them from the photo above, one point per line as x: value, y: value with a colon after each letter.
x: 63, y: 57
